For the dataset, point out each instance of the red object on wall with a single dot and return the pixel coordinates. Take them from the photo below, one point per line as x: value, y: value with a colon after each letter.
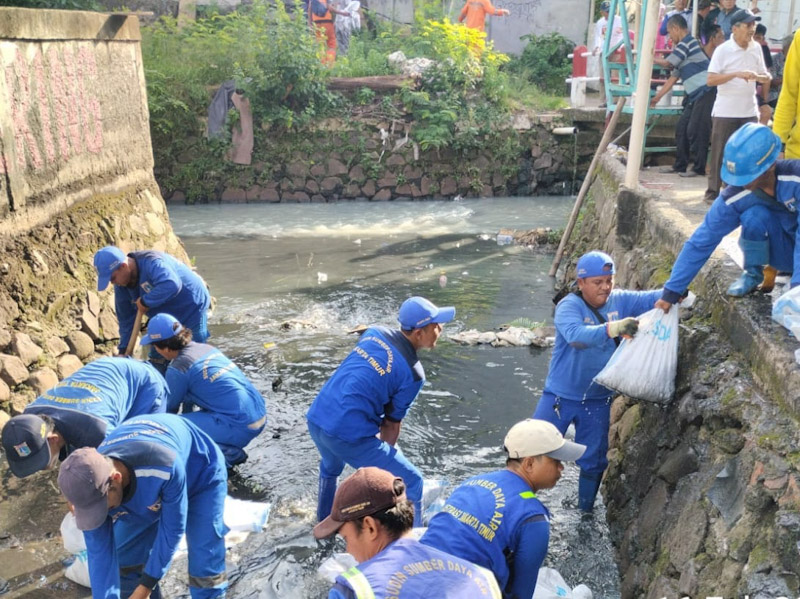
x: 579, y: 61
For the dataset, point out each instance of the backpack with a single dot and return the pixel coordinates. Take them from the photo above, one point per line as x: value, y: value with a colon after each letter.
x: 318, y: 8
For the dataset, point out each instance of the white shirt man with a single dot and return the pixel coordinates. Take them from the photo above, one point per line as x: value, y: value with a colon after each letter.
x: 735, y: 68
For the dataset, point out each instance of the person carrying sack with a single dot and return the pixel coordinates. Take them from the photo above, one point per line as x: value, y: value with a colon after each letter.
x: 588, y: 324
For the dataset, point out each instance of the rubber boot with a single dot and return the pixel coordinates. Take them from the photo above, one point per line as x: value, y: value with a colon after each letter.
x: 327, y: 490
x: 756, y: 255
x: 588, y: 486
x: 769, y: 279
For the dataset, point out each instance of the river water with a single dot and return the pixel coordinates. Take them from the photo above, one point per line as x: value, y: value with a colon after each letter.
x: 290, y: 282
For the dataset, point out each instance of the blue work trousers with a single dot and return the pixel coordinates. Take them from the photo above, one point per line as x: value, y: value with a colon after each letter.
x: 591, y: 418
x: 759, y: 223
x: 205, y: 538
x: 231, y: 437
x: 369, y: 451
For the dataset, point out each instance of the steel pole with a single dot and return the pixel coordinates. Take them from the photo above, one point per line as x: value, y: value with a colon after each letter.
x: 644, y: 70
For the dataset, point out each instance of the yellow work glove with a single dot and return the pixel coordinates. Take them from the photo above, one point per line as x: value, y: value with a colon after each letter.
x: 626, y: 326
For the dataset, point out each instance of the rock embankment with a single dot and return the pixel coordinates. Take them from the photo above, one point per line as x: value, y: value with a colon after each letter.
x: 52, y: 321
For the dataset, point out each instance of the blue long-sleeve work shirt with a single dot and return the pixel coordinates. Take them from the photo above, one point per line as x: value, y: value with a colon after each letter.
x: 170, y: 460
x: 496, y: 521
x: 92, y: 402
x: 407, y: 569
x: 583, y: 347
x: 203, y: 376
x: 166, y: 285
x: 725, y: 215
x: 378, y: 380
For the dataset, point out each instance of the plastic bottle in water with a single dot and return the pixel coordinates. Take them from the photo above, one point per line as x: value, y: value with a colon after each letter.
x: 503, y: 239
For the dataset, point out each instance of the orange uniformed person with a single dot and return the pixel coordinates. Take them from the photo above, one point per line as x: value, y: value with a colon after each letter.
x: 475, y: 12
x: 324, y: 31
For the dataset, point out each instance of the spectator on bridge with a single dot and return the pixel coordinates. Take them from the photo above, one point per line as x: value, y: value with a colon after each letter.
x: 713, y: 39
x: 600, y: 29
x: 679, y: 7
x: 761, y: 199
x: 722, y: 16
x: 693, y: 130
x: 703, y: 9
x: 788, y: 107
x: 735, y: 68
x: 374, y: 517
x: 475, y: 11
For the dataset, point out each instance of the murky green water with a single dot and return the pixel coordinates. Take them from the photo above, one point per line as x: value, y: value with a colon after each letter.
x: 291, y: 280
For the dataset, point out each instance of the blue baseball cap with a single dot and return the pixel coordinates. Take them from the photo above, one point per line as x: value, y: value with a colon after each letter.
x: 594, y: 264
x: 417, y: 312
x: 161, y: 327
x: 106, y: 261
x: 25, y: 444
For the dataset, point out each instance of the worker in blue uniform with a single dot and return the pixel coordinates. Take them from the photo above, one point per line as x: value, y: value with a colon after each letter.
x: 153, y: 282
x: 588, y: 325
x: 761, y: 198
x: 356, y: 416
x: 496, y: 520
x: 375, y: 518
x: 210, y: 389
x: 80, y: 411
x: 152, y: 480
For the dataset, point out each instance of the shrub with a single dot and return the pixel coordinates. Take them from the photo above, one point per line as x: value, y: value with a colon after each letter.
x: 544, y: 61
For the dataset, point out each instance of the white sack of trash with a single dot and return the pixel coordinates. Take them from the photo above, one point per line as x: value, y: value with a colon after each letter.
x: 242, y: 517
x: 512, y: 336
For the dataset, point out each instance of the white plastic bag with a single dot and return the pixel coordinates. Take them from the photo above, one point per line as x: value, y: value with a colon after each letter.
x: 644, y: 367
x: 78, y: 570
x: 786, y: 310
x: 551, y: 585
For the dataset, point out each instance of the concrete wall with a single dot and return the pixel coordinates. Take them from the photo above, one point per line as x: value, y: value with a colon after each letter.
x: 570, y: 18
x: 76, y: 173
x: 73, y: 110
x: 702, y: 495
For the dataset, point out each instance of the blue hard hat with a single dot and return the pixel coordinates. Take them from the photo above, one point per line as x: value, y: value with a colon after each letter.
x: 749, y: 153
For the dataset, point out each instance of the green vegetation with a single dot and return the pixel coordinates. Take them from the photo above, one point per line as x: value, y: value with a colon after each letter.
x: 56, y: 4
x: 272, y: 55
x: 544, y: 60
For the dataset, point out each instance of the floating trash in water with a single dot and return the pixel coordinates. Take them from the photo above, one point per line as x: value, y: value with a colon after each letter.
x: 484, y: 237
x: 465, y: 273
x: 269, y: 345
x: 322, y: 277
x: 503, y: 239
x: 442, y: 280
x: 357, y: 242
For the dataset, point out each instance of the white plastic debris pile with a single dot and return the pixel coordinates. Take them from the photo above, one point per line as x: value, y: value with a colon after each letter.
x: 786, y: 312
x: 412, y: 67
x: 512, y: 336
x: 551, y: 585
x: 242, y: 517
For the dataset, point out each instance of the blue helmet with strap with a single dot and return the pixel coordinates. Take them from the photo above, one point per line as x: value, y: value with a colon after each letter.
x: 749, y: 153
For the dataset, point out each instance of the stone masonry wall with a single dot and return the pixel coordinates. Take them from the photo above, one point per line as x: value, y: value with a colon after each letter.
x: 75, y: 175
x: 377, y: 161
x: 703, y: 495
